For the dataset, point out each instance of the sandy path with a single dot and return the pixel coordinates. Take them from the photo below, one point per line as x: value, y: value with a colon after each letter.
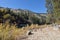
x: 47, y: 33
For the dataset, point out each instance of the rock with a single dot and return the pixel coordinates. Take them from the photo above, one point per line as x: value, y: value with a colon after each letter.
x: 29, y: 32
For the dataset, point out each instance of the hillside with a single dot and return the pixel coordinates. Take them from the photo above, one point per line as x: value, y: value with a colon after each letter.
x: 21, y: 17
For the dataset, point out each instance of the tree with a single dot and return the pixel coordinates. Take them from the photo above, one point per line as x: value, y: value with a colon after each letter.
x: 53, y: 7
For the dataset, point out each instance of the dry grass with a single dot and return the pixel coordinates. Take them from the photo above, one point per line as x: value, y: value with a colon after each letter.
x: 11, y: 33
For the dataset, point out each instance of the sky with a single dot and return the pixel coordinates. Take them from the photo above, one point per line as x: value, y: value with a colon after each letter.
x: 33, y: 5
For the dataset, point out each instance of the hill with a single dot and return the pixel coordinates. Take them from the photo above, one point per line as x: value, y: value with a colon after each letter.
x: 21, y: 17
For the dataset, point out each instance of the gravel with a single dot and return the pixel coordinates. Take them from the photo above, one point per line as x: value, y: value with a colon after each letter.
x: 48, y: 33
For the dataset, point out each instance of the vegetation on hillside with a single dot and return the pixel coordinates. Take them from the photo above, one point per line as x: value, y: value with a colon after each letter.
x: 20, y: 17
